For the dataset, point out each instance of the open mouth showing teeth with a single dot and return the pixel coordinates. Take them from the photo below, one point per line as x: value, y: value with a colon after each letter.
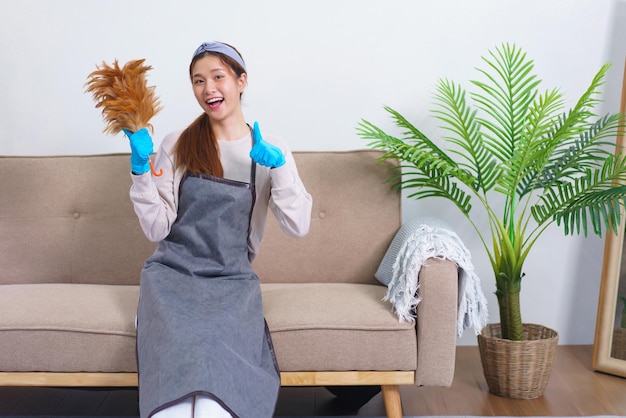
x: 215, y: 102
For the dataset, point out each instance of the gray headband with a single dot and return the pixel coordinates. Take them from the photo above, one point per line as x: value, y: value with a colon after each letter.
x: 220, y: 48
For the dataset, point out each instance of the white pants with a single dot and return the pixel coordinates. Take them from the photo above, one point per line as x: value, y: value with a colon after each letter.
x: 195, y: 407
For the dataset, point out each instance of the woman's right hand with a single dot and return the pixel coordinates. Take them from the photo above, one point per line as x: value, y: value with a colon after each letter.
x: 141, y: 147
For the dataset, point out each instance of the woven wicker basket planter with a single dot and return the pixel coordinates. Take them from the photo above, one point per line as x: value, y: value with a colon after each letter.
x: 518, y: 369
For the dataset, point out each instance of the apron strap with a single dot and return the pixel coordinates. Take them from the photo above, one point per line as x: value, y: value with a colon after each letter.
x: 252, y: 169
x: 252, y: 180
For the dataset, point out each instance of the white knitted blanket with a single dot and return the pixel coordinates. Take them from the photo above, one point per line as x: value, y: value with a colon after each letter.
x: 417, y: 242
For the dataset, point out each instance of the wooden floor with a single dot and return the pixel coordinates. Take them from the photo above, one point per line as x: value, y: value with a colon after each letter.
x: 574, y: 390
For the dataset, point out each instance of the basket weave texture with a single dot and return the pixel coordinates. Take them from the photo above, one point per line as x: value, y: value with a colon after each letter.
x: 518, y: 369
x: 618, y: 348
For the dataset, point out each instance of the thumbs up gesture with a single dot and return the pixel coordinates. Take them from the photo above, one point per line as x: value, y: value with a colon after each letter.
x: 264, y: 153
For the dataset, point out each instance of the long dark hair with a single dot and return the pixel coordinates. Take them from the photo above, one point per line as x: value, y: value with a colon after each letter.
x: 197, y: 149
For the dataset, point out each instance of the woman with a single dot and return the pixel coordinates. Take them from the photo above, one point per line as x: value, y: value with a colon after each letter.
x: 203, y: 347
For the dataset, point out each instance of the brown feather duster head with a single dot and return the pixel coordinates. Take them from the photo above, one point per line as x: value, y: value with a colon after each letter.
x: 123, y: 95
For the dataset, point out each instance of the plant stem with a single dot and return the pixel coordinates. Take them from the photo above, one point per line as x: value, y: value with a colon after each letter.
x: 510, y: 313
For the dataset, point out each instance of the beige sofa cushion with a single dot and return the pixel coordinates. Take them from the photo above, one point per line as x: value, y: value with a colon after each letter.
x: 68, y: 327
x: 336, y: 326
x: 90, y: 328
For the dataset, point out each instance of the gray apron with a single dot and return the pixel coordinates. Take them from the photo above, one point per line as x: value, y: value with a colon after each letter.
x: 201, y: 328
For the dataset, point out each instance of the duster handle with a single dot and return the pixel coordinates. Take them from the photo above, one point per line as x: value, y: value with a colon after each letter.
x: 154, y: 172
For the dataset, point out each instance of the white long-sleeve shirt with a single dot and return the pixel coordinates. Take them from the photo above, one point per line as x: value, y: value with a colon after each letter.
x: 155, y: 199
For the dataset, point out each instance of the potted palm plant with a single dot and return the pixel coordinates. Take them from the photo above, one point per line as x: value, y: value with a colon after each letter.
x: 516, y: 156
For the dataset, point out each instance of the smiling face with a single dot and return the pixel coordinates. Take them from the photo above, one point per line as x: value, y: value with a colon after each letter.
x: 217, y: 87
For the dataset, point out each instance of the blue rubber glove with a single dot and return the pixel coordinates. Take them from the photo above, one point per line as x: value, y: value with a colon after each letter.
x: 263, y: 152
x: 141, y: 147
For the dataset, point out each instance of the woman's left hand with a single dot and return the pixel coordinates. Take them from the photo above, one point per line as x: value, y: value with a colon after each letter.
x: 263, y: 152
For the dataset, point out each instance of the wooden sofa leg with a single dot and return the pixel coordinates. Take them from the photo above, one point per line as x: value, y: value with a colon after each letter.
x: 393, y: 404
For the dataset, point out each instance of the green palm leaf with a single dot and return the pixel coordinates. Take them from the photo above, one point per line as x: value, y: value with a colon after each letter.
x: 573, y: 156
x: 592, y: 197
x: 433, y: 183
x: 461, y: 121
x: 505, y: 98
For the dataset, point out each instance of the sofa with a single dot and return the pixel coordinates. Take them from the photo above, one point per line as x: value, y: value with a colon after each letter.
x: 71, y: 253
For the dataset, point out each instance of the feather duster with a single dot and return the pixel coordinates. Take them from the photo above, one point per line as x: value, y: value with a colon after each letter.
x: 124, y: 96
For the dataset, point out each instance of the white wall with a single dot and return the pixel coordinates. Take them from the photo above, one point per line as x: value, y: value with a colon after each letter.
x: 315, y: 69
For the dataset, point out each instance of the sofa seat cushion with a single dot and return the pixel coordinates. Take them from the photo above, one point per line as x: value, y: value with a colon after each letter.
x: 68, y: 327
x: 336, y: 327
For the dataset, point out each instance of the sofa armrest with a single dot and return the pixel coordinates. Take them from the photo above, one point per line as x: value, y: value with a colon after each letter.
x: 437, y: 323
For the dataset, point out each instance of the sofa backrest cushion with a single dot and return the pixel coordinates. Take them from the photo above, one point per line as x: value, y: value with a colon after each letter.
x: 354, y: 218
x: 69, y: 219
